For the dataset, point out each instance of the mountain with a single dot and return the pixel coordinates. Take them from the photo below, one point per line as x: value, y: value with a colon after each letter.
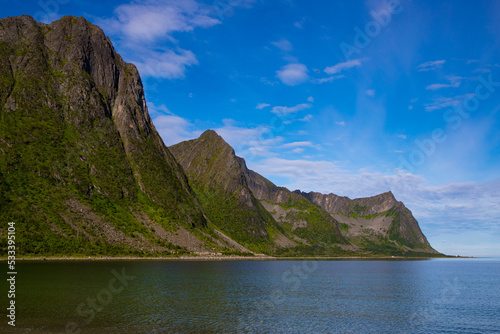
x: 375, y: 223
x: 240, y: 202
x: 82, y: 167
x: 83, y: 170
x: 249, y: 208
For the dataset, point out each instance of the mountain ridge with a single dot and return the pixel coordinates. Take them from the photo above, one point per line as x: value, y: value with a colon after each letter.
x: 380, y: 222
x: 84, y: 171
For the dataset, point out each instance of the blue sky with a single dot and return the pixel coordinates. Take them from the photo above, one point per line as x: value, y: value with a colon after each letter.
x: 350, y: 97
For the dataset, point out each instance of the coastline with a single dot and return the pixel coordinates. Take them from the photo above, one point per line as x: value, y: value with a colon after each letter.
x: 233, y: 258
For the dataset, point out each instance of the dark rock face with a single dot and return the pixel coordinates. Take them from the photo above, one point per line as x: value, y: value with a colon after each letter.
x: 361, y: 206
x: 74, y: 130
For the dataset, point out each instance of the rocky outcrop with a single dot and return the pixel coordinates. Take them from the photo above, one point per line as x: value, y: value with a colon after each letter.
x: 375, y: 218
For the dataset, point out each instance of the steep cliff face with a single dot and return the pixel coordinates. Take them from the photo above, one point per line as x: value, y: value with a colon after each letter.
x: 372, y: 220
x: 85, y: 168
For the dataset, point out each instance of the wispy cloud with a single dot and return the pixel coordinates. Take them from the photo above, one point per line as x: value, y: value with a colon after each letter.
x: 300, y: 24
x: 306, y: 118
x: 431, y: 65
x: 173, y: 129
x: 293, y: 74
x: 445, y: 102
x: 283, y: 45
x: 342, y: 123
x: 142, y: 29
x: 147, y: 21
x: 250, y: 142
x: 167, y: 64
x: 328, y: 79
x: 370, y: 92
x: 282, y: 110
x: 454, y: 82
x: 262, y: 106
x: 337, y: 68
x: 157, y: 110
x: 298, y: 144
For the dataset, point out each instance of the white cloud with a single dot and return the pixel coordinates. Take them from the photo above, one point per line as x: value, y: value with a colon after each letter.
x: 310, y: 99
x: 431, y: 65
x: 445, y: 102
x: 337, y: 68
x: 402, y: 136
x: 140, y: 29
x: 148, y: 21
x: 306, y: 118
x: 298, y: 150
x: 173, y: 129
x: 157, y: 110
x: 262, y: 106
x: 328, y: 79
x: 293, y: 74
x: 167, y: 65
x: 250, y: 143
x: 342, y: 123
x: 283, y: 45
x: 454, y: 82
x: 281, y: 110
x: 298, y: 144
x: 299, y: 133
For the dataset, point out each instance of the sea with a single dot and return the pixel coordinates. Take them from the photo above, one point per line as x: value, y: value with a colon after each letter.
x: 445, y: 295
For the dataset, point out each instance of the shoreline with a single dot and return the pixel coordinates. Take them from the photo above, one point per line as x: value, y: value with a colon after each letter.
x: 234, y: 258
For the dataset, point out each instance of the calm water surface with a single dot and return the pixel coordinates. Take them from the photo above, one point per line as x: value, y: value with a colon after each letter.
x: 419, y: 296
